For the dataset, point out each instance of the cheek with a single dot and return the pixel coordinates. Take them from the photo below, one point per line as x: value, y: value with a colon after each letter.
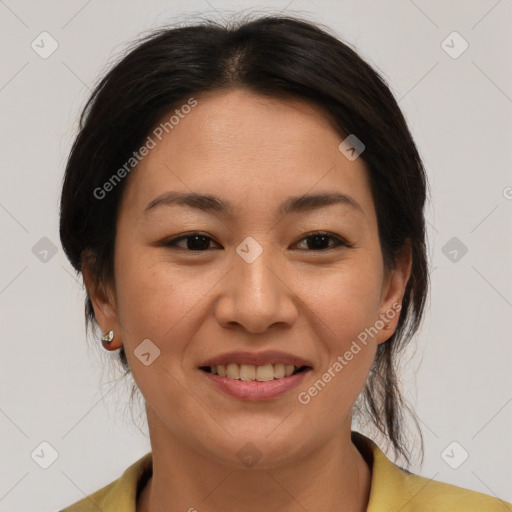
x: 347, y: 299
x: 161, y: 306
x: 154, y: 300
x: 347, y: 352
x: 346, y: 310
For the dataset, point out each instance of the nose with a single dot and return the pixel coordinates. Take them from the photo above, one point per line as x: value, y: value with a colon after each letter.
x: 256, y: 296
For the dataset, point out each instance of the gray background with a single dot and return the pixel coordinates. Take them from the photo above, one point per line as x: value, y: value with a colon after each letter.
x: 56, y: 388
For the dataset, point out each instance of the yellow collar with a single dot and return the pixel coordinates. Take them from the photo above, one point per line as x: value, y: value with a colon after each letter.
x: 392, y: 489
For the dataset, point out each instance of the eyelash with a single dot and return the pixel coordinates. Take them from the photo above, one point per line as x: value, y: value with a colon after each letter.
x: 172, y: 243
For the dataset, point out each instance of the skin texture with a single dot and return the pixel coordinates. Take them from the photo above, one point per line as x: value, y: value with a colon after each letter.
x: 255, y: 152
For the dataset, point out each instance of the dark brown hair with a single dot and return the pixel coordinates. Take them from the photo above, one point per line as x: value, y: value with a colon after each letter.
x: 275, y: 56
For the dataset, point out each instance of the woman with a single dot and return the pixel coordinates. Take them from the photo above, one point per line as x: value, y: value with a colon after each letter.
x: 245, y: 204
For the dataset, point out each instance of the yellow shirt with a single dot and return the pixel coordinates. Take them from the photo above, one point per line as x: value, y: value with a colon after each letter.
x: 392, y: 489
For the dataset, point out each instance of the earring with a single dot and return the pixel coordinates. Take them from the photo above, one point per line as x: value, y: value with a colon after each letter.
x: 106, y: 339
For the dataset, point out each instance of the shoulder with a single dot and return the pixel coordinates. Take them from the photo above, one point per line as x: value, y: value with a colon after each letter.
x: 420, y: 494
x: 121, y: 494
x: 395, y: 489
x: 94, y: 501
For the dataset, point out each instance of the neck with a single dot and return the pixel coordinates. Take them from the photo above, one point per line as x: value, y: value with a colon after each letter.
x: 333, y: 476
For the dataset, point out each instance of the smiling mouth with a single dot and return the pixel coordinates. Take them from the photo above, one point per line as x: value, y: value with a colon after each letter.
x: 250, y: 372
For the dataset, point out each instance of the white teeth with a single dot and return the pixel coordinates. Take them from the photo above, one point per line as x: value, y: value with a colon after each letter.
x: 279, y: 371
x: 264, y: 373
x: 233, y: 371
x: 249, y: 372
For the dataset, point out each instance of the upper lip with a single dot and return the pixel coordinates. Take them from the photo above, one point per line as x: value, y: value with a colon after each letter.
x: 256, y: 358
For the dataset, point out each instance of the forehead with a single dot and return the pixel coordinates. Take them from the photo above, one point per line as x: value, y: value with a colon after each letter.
x: 242, y: 145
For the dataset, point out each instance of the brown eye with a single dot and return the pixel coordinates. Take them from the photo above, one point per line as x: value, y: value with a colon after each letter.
x: 193, y: 242
x: 320, y: 242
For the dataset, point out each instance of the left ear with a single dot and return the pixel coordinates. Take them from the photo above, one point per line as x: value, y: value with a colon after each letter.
x: 393, y: 289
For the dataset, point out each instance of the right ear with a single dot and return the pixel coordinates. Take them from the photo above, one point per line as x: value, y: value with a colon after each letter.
x: 103, y: 303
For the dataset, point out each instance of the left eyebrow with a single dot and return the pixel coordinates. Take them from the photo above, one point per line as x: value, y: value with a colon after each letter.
x: 294, y: 204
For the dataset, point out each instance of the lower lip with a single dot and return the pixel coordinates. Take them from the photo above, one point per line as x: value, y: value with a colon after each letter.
x: 255, y: 390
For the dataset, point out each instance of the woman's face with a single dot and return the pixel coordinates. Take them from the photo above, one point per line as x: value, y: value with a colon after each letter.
x: 257, y: 287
